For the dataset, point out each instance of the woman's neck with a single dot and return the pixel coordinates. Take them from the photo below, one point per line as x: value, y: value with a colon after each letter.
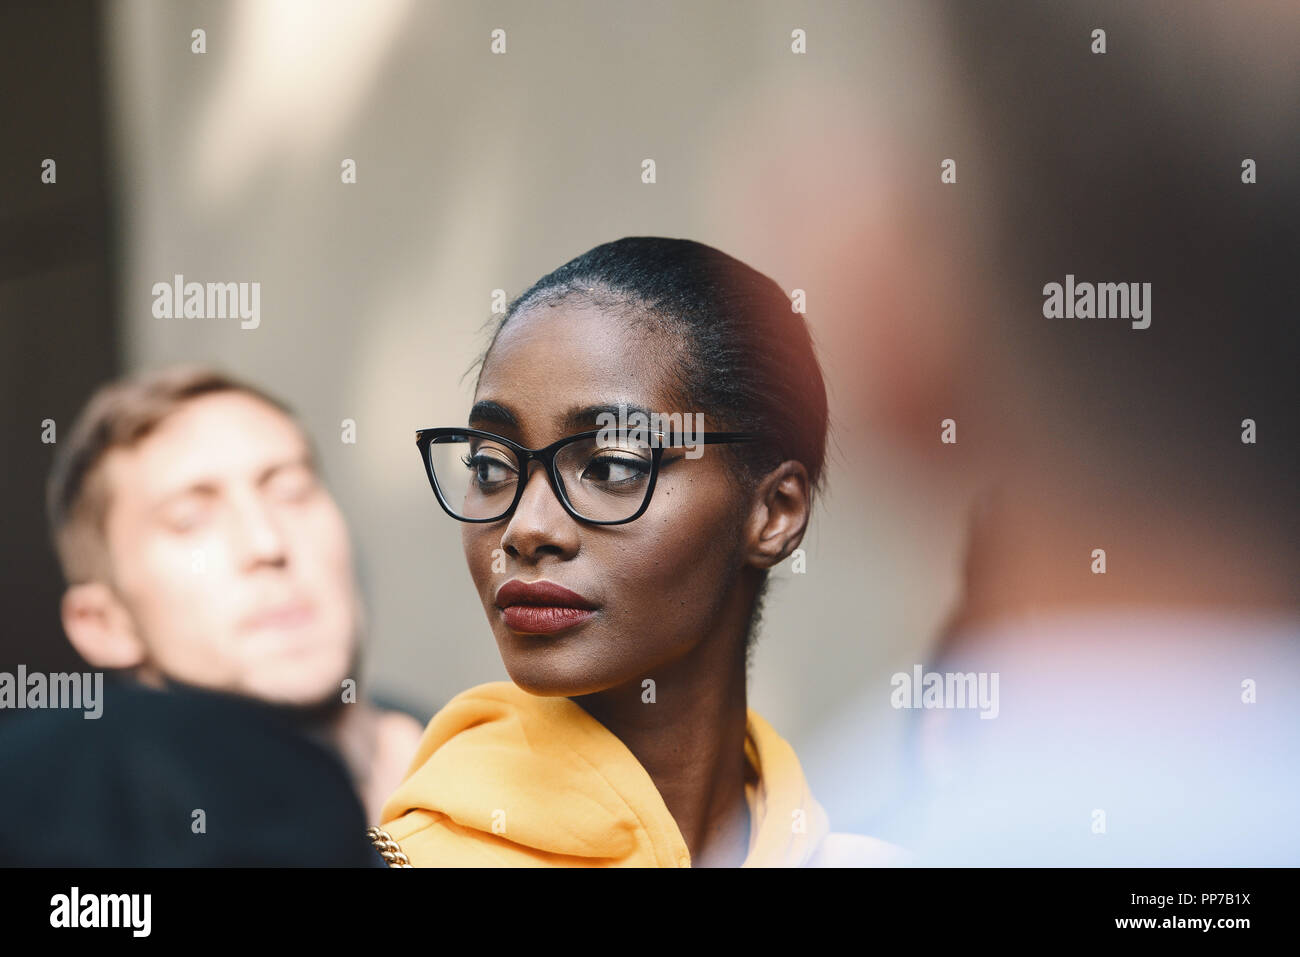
x: 688, y: 732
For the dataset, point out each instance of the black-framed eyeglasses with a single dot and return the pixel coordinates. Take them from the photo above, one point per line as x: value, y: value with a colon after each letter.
x: 604, y: 477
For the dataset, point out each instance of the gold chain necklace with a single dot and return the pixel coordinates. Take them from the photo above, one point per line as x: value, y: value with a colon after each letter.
x: 388, y: 849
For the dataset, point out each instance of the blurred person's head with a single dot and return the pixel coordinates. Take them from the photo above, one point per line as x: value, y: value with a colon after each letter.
x: 1137, y: 562
x: 665, y: 325
x: 1130, y: 166
x: 199, y: 544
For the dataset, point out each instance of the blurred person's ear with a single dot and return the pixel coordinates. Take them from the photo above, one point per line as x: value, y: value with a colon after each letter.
x: 778, y: 514
x: 100, y: 627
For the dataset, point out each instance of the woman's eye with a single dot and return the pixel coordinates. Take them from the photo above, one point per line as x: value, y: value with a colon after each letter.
x: 615, y: 470
x: 487, y: 470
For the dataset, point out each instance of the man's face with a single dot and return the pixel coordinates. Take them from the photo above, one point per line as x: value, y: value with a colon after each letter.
x: 230, y: 557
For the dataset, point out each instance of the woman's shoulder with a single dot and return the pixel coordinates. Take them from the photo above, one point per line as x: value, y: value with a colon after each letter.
x: 858, y: 850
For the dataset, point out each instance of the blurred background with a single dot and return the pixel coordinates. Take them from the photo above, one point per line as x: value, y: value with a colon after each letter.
x: 478, y: 171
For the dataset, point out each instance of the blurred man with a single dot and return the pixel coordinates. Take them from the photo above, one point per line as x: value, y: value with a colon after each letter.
x: 204, y: 556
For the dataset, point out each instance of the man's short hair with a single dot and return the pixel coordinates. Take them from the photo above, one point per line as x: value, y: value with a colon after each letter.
x: 118, y: 415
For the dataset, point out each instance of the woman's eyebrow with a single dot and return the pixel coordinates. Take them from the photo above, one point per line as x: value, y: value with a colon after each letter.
x: 492, y: 413
x: 585, y: 417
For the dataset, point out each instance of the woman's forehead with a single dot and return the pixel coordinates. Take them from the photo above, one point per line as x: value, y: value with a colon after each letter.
x: 550, y: 364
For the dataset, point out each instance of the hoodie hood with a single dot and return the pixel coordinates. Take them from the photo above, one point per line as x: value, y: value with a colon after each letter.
x: 505, y: 778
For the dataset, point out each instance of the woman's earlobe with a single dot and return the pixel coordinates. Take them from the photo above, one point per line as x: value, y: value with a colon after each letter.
x: 782, y: 503
x: 99, y: 627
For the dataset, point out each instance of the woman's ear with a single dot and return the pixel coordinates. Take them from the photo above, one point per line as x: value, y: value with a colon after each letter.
x: 778, y: 515
x: 100, y: 627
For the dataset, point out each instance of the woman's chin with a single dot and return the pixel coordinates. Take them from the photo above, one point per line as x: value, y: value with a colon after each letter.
x: 540, y: 674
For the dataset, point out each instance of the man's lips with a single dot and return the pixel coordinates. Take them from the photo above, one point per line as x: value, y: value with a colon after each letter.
x: 289, y: 615
x: 542, y: 607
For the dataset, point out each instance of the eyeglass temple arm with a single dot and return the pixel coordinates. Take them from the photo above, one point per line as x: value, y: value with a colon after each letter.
x: 717, y: 438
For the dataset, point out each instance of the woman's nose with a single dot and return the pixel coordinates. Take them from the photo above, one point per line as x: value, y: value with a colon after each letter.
x: 540, y: 526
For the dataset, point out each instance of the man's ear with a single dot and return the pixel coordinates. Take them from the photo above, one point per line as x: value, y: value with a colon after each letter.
x: 100, y: 627
x: 778, y: 515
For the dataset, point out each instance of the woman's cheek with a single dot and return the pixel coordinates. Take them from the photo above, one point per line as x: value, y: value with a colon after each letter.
x: 478, y: 556
x: 699, y: 536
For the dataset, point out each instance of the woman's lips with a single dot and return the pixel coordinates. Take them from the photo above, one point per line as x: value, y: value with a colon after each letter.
x: 543, y: 619
x: 542, y: 607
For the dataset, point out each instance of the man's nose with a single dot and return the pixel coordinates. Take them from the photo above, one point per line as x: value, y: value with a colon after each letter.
x: 540, y: 526
x: 260, y: 539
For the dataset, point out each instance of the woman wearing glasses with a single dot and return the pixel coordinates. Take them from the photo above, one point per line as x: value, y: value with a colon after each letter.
x: 621, y: 561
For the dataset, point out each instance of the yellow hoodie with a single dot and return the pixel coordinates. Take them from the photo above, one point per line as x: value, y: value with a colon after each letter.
x: 503, y: 778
